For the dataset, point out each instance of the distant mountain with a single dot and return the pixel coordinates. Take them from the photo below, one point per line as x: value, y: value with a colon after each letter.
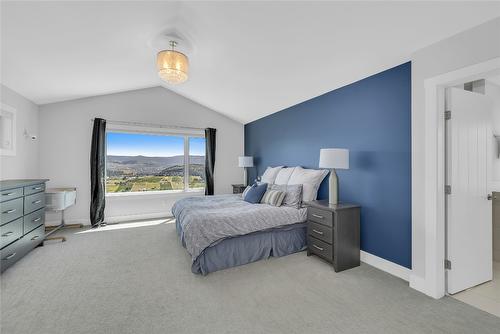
x: 119, y: 165
x: 164, y: 161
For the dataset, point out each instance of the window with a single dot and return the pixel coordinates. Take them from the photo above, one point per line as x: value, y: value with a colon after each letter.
x: 148, y: 162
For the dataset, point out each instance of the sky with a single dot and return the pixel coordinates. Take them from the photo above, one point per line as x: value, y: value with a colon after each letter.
x: 133, y: 144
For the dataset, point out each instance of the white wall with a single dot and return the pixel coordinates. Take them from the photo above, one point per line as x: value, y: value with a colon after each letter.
x: 65, y: 135
x: 473, y: 46
x: 493, y: 91
x: 25, y: 164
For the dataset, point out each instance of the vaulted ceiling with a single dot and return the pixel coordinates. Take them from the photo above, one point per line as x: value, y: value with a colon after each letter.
x: 248, y: 60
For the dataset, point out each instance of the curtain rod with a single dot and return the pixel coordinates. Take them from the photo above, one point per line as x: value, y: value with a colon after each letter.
x: 152, y: 125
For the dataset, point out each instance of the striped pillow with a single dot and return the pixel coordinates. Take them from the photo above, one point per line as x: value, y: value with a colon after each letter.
x: 273, y: 197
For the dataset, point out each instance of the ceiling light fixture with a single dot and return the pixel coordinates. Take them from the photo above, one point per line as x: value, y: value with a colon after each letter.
x: 173, y: 66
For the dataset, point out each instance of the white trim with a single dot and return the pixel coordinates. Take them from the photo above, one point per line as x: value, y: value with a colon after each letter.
x: 385, y: 265
x: 433, y: 284
x: 155, y: 193
x: 143, y: 216
x: 56, y: 222
x: 154, y: 130
x: 5, y: 110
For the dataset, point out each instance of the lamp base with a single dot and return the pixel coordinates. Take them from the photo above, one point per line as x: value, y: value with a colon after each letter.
x: 245, y: 181
x: 333, y: 188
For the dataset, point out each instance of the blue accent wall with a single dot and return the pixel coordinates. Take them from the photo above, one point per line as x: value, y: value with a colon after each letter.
x: 371, y: 118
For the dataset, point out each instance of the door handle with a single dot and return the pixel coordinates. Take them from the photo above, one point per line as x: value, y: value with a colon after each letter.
x: 37, y: 202
x: 491, y: 197
x: 10, y: 211
x: 7, y: 234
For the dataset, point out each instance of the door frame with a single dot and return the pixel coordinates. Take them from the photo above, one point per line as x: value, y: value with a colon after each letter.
x: 434, y: 283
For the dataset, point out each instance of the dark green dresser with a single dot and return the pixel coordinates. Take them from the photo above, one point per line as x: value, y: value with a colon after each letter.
x: 22, y: 224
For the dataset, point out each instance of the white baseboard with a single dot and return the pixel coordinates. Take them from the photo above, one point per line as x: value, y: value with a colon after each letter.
x: 114, y: 219
x: 67, y: 221
x: 156, y: 215
x: 387, y: 266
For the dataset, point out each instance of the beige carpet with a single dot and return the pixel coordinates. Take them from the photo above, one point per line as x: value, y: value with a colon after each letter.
x: 133, y: 278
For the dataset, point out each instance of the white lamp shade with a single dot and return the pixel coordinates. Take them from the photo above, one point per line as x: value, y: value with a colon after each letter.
x: 245, y: 161
x: 334, y: 158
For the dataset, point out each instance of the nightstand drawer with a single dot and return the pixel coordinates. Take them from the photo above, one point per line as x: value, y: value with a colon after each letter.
x: 319, y: 231
x: 320, y: 216
x: 320, y: 248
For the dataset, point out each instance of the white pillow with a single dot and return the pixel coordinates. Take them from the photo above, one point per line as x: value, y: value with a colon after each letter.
x: 310, y: 180
x: 284, y: 175
x: 270, y: 174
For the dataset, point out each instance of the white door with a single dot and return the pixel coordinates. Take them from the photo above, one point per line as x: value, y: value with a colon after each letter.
x: 469, y: 212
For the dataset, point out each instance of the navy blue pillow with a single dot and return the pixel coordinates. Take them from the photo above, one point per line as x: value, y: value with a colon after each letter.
x: 255, y: 193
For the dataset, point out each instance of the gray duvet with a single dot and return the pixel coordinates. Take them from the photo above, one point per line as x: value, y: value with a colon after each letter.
x: 205, y: 221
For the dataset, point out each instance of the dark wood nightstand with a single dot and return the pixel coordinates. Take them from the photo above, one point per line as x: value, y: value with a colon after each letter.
x: 333, y: 233
x: 238, y: 188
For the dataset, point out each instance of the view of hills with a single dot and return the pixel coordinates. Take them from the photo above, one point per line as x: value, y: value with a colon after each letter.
x: 118, y: 165
x: 142, y: 173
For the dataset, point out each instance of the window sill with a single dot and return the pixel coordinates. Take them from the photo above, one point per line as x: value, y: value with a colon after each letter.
x: 156, y: 193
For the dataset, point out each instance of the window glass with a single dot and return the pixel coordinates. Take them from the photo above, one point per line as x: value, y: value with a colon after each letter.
x: 137, y: 162
x: 196, y: 163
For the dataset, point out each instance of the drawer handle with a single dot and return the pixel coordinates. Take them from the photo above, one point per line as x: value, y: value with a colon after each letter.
x: 35, y: 237
x: 36, y: 220
x: 7, y: 234
x: 37, y: 188
x: 8, y: 194
x: 318, y: 232
x: 318, y: 216
x: 10, y: 211
x: 318, y: 248
x: 10, y: 256
x: 37, y: 202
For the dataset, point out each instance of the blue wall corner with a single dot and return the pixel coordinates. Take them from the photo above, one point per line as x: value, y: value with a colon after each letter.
x: 372, y: 118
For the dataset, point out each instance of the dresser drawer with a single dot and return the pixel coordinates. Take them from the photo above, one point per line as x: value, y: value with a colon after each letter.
x: 35, y: 237
x: 15, y: 251
x: 320, y: 216
x: 320, y: 248
x: 11, y: 232
x: 11, y: 210
x: 319, y: 231
x: 12, y: 253
x: 7, y: 195
x: 36, y: 188
x: 34, y: 202
x: 33, y: 220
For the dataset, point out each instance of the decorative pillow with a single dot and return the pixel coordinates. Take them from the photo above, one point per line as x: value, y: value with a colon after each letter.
x: 273, y: 197
x: 245, y: 191
x: 293, y: 194
x: 270, y: 174
x: 284, y: 175
x: 255, y: 193
x: 310, y: 180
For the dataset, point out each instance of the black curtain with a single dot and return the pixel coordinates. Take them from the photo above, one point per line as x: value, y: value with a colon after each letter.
x: 209, y: 160
x: 98, y: 172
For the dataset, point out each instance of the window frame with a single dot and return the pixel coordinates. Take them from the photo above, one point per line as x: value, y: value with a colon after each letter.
x: 160, y: 131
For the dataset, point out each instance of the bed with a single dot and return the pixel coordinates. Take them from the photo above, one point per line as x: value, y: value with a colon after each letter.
x: 224, y: 231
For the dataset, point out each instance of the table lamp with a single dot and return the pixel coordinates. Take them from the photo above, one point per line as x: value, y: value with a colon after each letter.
x: 333, y: 158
